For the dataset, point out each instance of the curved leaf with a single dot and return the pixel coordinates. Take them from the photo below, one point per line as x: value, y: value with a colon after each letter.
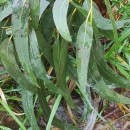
x: 60, y: 60
x: 84, y: 43
x: 43, y: 6
x: 38, y: 66
x: 20, y: 24
x: 60, y: 9
x: 27, y: 101
x: 8, y: 60
x: 100, y: 86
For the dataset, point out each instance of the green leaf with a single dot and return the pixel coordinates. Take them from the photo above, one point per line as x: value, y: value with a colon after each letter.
x: 46, y: 112
x: 8, y: 60
x: 102, y: 22
x: 12, y: 115
x: 2, y: 1
x: 84, y: 43
x: 104, y: 69
x: 100, y: 86
x: 20, y: 30
x: 47, y: 25
x: 60, y: 59
x: 60, y: 9
x: 38, y: 66
x: 35, y: 12
x: 44, y: 47
x: 27, y: 101
x: 6, y: 11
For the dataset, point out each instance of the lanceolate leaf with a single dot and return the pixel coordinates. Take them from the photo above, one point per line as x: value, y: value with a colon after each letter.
x: 38, y: 66
x: 84, y: 43
x: 35, y: 12
x: 60, y: 59
x: 102, y: 22
x: 60, y: 9
x: 20, y: 19
x: 101, y: 87
x: 27, y: 101
x: 8, y: 60
x: 104, y: 69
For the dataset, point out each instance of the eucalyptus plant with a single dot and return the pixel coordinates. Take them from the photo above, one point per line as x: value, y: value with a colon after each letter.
x: 37, y: 34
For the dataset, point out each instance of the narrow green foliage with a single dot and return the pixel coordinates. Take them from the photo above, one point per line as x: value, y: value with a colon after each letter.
x: 60, y: 9
x: 53, y: 112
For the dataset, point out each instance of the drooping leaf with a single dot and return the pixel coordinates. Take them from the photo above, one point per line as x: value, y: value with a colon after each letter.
x: 27, y: 101
x: 20, y: 29
x: 104, y: 69
x: 38, y: 66
x: 102, y: 22
x: 60, y: 59
x: 8, y: 60
x: 60, y: 9
x: 101, y: 87
x: 84, y: 43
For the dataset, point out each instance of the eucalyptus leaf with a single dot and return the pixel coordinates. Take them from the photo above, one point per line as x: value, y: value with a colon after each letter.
x: 84, y: 44
x: 8, y: 60
x: 60, y: 9
x: 20, y: 19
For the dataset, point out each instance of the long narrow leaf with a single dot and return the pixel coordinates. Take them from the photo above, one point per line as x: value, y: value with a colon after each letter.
x: 60, y: 9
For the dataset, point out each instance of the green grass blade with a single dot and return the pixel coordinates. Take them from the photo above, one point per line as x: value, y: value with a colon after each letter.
x: 12, y: 115
x: 47, y: 111
x: 53, y: 112
x: 60, y: 9
x: 27, y: 101
x: 115, y: 33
